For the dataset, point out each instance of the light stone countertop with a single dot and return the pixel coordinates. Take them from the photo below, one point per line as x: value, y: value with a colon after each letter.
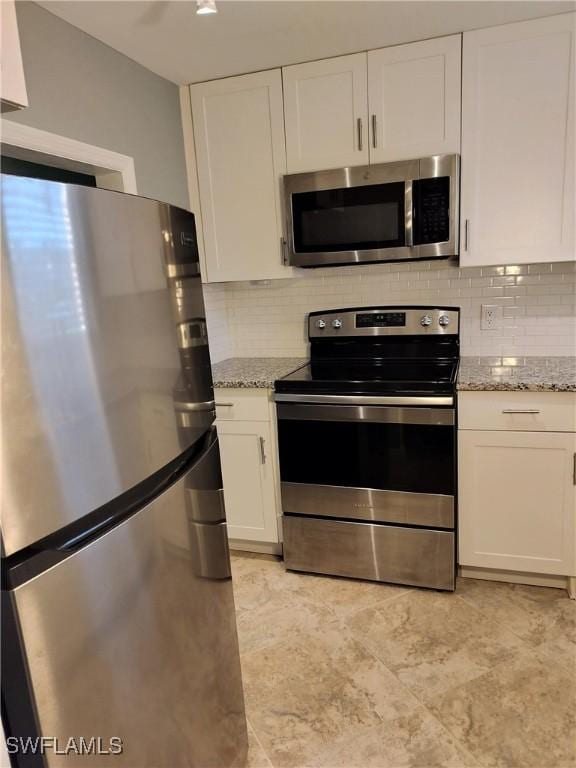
x: 536, y: 374
x: 532, y: 374
x: 249, y: 372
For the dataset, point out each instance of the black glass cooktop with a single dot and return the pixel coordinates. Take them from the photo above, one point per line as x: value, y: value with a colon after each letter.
x: 390, y: 376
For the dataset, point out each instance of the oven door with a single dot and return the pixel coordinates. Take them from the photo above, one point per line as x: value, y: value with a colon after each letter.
x: 351, y: 214
x: 359, y: 462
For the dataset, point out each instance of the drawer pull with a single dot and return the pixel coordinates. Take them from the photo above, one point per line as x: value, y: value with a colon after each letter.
x: 225, y: 405
x: 262, y: 450
x: 520, y: 410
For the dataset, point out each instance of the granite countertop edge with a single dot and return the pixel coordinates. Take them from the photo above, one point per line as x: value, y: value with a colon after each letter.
x: 518, y: 374
x: 253, y: 372
x: 476, y: 374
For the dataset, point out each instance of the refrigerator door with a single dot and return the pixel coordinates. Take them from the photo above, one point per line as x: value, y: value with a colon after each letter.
x: 133, y: 636
x: 106, y: 368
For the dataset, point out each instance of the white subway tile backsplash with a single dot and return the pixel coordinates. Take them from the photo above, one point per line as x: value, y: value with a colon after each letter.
x: 268, y: 319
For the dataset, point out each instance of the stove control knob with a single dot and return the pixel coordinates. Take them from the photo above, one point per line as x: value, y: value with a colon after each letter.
x: 337, y: 323
x: 444, y: 320
x: 425, y: 320
x: 320, y: 323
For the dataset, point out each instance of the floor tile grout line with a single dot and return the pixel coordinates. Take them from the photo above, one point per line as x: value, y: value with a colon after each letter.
x: 420, y: 701
x: 416, y: 698
x: 371, y: 606
x: 529, y: 647
x: 251, y: 727
x: 495, y: 621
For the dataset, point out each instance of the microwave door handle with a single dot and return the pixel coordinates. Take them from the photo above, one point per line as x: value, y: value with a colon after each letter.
x: 408, y: 214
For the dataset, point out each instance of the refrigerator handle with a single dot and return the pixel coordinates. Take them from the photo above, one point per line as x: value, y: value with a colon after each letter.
x: 43, y: 554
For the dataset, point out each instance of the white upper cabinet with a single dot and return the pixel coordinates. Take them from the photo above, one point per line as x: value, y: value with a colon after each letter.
x: 518, y: 143
x: 240, y: 153
x: 13, y: 89
x: 414, y: 99
x: 326, y: 113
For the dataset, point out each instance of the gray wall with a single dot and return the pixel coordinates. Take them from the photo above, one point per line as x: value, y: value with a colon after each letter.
x: 82, y: 89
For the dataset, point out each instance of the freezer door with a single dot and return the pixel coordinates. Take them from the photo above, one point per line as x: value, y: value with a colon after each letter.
x: 134, y: 636
x: 105, y: 355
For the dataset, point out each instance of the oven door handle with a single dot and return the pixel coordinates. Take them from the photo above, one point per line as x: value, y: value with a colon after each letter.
x: 361, y: 413
x: 414, y: 400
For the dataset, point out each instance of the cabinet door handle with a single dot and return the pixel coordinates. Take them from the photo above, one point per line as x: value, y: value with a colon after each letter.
x: 574, y: 470
x: 224, y: 405
x: 359, y: 127
x: 262, y: 450
x: 466, y: 234
x: 283, y: 253
x: 520, y: 410
x: 374, y: 132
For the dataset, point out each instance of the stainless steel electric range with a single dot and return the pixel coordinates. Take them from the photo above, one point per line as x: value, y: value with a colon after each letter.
x: 367, y: 442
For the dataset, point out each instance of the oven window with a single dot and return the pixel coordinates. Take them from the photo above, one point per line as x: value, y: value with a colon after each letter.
x: 349, y: 219
x: 397, y: 457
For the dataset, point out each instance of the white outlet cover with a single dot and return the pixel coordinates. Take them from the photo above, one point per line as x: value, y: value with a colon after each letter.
x: 491, y: 317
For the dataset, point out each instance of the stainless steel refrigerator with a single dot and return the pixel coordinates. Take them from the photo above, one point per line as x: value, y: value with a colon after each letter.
x: 117, y: 608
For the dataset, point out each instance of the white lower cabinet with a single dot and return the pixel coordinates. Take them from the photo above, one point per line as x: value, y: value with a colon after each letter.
x: 249, y: 468
x: 517, y: 498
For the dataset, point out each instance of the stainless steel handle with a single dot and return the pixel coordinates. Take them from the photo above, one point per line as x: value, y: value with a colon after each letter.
x: 184, y: 407
x: 520, y: 410
x: 374, y: 129
x: 262, y: 450
x: 365, y: 400
x: 224, y: 405
x: 359, y: 127
x: 466, y: 233
x: 360, y: 413
x: 408, y: 215
x: 283, y: 250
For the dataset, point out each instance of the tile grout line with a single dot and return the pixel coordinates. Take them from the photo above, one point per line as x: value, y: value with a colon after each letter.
x: 495, y: 621
x: 370, y: 606
x: 430, y: 712
x: 529, y: 647
x: 414, y: 696
x: 251, y: 727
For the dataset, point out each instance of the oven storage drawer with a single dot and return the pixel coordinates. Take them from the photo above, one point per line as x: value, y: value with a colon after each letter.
x: 414, y: 556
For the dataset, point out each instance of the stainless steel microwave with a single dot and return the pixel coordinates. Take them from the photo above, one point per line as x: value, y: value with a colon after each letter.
x: 388, y: 212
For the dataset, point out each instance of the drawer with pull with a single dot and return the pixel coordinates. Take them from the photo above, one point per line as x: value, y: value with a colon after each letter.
x: 242, y: 404
x: 518, y: 411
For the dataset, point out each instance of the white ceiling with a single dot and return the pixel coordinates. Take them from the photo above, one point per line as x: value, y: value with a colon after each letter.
x: 171, y: 40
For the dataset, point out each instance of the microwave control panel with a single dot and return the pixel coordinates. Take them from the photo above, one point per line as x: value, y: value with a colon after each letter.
x: 431, y: 207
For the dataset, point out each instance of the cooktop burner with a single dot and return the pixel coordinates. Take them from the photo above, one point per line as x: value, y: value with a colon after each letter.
x: 379, y: 350
x: 369, y: 377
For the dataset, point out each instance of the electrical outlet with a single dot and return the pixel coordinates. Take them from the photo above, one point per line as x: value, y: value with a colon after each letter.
x: 491, y: 317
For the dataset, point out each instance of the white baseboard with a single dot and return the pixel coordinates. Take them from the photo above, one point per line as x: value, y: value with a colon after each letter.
x: 261, y: 547
x: 514, y: 577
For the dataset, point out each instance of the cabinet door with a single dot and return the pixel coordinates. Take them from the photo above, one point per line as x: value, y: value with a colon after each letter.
x: 239, y: 138
x: 518, y: 143
x: 248, y: 473
x: 517, y: 501
x: 13, y: 93
x: 414, y: 99
x: 326, y: 113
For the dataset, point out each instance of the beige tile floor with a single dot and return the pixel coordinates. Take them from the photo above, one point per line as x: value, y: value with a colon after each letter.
x: 350, y: 674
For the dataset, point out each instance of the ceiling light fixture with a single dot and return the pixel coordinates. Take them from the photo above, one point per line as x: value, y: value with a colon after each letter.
x: 204, y: 7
